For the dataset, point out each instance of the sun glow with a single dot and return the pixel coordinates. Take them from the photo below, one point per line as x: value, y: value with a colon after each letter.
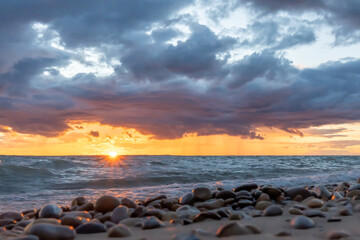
x: 113, y: 154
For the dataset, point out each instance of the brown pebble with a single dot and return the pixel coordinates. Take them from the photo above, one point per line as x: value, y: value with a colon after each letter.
x: 232, y: 229
x: 118, y: 231
x: 340, y: 234
x: 106, y: 204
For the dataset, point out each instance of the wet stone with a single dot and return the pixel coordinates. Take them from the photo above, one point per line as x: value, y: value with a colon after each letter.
x: 293, y: 192
x: 315, y: 203
x: 50, y: 211
x: 235, y: 216
x: 82, y: 214
x: 206, y: 215
x: 323, y: 192
x: 263, y: 197
x: 90, y: 227
x: 150, y: 200
x: 187, y: 199
x: 4, y: 222
x: 118, y: 231
x: 11, y: 215
x: 247, y: 187
x: 47, y: 231
x: 295, y: 211
x: 244, y: 203
x: 86, y: 207
x: 202, y: 193
x: 106, y: 204
x: 139, y: 212
x: 314, y: 213
x: 302, y: 222
x: 79, y: 201
x: 273, y: 211
x: 339, y: 234
x: 119, y: 213
x: 211, y: 204
x: 73, y: 221
x: 262, y: 205
x: 225, y: 194
x: 232, y: 229
x: 133, y: 222
x: 152, y: 222
x: 128, y: 203
x: 272, y: 192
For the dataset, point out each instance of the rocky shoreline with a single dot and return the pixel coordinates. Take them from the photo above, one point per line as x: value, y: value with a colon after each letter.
x: 330, y: 211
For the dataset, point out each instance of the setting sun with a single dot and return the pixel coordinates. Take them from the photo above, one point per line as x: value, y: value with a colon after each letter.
x: 113, y: 154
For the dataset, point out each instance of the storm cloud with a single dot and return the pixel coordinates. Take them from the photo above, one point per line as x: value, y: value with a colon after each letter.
x: 154, y: 66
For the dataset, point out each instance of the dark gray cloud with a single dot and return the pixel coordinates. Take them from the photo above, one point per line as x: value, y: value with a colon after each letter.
x: 168, y: 89
x: 327, y: 133
x: 94, y: 133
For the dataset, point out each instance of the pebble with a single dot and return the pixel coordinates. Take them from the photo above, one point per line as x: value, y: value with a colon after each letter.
x: 79, y: 201
x: 247, y: 187
x: 11, y: 215
x: 225, y: 194
x: 211, y: 204
x: 4, y: 222
x: 295, y: 211
x: 119, y: 213
x: 254, y: 229
x: 82, y: 214
x: 139, y: 212
x: 262, y: 205
x: 283, y: 234
x: 314, y: 213
x: 293, y: 192
x: 167, y: 216
x: 133, y: 222
x: 337, y: 235
x: 109, y: 224
x: 40, y: 221
x: 263, y: 197
x: 73, y: 221
x: 118, y: 231
x: 302, y: 222
x: 315, y: 203
x: 232, y: 229
x: 128, y: 203
x: 187, y: 199
x: 346, y: 211
x: 272, y: 192
x: 244, y: 203
x: 202, y: 193
x: 150, y: 200
x: 47, y: 231
x: 273, y: 211
x: 91, y: 227
x: 235, y: 216
x: 50, y: 211
x: 86, y: 207
x: 206, y: 215
x: 106, y: 204
x: 152, y: 222
x: 187, y: 212
x: 323, y: 192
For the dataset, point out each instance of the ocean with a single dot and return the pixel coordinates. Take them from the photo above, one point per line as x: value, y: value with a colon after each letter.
x: 31, y: 181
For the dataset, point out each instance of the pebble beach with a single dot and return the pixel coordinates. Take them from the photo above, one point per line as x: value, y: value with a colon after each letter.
x: 248, y: 211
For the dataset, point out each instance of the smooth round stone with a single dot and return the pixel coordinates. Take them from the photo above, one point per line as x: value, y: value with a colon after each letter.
x: 11, y: 215
x: 263, y: 197
x: 315, y: 203
x: 4, y: 222
x: 232, y: 229
x: 225, y: 194
x: 119, y: 231
x: 152, y: 199
x: 47, y: 231
x: 73, y: 221
x: 345, y: 212
x: 168, y: 216
x: 187, y: 199
x: 262, y: 205
x: 272, y: 192
x: 187, y: 212
x: 235, y: 216
x: 139, y: 212
x: 83, y: 214
x: 40, y: 221
x: 244, y: 203
x: 293, y: 192
x: 91, y: 227
x: 302, y: 222
x: 314, y: 213
x: 50, y: 211
x: 133, y: 222
x: 273, y: 211
x: 86, y: 207
x: 202, y: 193
x: 295, y: 211
x: 119, y: 214
x: 211, y: 204
x: 254, y: 229
x: 206, y: 215
x: 152, y: 222
x: 127, y: 202
x: 337, y: 235
x: 154, y: 212
x: 109, y: 224
x: 247, y: 187
x: 78, y: 201
x: 23, y: 223
x: 106, y: 204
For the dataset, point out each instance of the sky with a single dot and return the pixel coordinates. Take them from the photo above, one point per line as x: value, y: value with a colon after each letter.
x: 182, y: 77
